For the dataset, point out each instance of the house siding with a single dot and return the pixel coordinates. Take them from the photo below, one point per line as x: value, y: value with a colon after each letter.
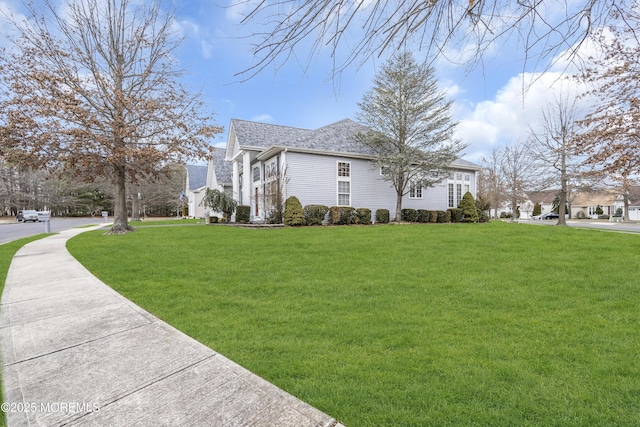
x: 313, y: 180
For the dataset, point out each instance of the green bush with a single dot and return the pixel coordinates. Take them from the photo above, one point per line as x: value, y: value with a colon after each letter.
x: 347, y: 214
x: 334, y: 215
x: 448, y: 216
x: 423, y: 215
x: 456, y: 214
x: 314, y: 214
x: 537, y: 209
x: 341, y: 215
x: 599, y: 210
x: 433, y: 216
x: 468, y: 206
x: 363, y: 216
x: 293, y: 212
x: 483, y: 216
x: 243, y: 214
x: 441, y: 217
x: 382, y: 216
x: 409, y: 215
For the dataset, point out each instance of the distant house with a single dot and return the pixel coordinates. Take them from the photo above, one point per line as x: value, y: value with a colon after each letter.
x: 215, y: 175
x: 324, y: 166
x: 585, y: 205
x: 634, y: 203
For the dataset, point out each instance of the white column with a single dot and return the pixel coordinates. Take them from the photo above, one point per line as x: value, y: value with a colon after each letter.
x: 236, y: 180
x: 246, y: 179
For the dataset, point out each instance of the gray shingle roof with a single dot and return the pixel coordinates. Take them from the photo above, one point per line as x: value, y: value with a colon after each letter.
x: 197, y: 176
x: 256, y: 134
x: 223, y: 169
x: 336, y: 137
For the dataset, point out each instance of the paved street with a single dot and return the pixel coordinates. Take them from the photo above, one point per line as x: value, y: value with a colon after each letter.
x: 11, y: 230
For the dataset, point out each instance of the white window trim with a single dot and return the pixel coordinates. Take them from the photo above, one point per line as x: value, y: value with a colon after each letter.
x: 343, y: 179
x: 416, y: 189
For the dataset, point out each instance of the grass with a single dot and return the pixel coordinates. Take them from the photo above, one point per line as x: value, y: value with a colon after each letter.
x: 487, y: 324
x: 7, y: 251
x: 175, y: 221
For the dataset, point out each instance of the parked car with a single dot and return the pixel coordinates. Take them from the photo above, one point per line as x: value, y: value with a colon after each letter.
x: 27, y: 215
x: 550, y: 215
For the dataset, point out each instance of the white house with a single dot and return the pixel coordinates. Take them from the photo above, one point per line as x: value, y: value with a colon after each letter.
x: 216, y: 175
x: 325, y: 166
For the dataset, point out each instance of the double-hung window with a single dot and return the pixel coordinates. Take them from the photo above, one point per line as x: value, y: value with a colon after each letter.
x: 415, y: 190
x: 344, y: 183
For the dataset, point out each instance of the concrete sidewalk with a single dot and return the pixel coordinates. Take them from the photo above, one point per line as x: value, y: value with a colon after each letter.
x: 75, y: 352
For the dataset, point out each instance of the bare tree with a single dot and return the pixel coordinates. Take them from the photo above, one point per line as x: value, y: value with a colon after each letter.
x: 411, y: 129
x: 95, y: 88
x: 517, y: 165
x: 610, y: 137
x: 553, y: 146
x: 491, y: 183
x: 370, y: 28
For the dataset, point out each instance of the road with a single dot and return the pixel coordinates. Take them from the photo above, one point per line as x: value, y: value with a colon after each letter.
x: 624, y: 227
x: 11, y: 230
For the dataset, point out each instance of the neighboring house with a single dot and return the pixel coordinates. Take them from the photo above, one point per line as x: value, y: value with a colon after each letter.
x: 216, y: 175
x: 634, y: 203
x: 584, y: 205
x: 327, y: 167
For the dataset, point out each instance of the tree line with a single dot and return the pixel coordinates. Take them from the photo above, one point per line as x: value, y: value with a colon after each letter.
x: 39, y: 189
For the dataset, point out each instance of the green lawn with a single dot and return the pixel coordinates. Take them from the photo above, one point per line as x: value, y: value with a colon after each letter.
x: 435, y: 324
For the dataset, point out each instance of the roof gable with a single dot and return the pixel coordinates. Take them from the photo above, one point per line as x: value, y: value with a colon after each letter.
x: 196, y: 176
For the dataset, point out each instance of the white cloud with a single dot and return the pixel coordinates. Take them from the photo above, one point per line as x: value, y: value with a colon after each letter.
x: 515, y: 110
x: 263, y: 118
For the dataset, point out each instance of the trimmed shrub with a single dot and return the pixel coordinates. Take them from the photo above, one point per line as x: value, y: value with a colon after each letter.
x: 456, y: 214
x: 409, y: 215
x: 363, y: 216
x: 293, y: 212
x: 334, y: 215
x: 314, y: 214
x: 441, y: 217
x: 537, y: 210
x: 468, y: 206
x: 433, y: 216
x: 243, y: 214
x: 448, y: 216
x: 483, y: 216
x: 347, y: 215
x: 382, y: 216
x: 599, y: 210
x: 423, y: 215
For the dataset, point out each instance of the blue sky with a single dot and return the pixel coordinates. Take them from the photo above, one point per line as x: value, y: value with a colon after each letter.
x: 487, y: 102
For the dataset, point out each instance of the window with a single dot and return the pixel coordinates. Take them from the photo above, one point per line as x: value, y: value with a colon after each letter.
x: 384, y: 170
x: 415, y: 190
x: 451, y: 199
x: 466, y: 188
x: 344, y: 184
x: 256, y: 174
x: 459, y: 192
x: 344, y: 193
x: 344, y: 169
x: 459, y: 176
x: 467, y: 177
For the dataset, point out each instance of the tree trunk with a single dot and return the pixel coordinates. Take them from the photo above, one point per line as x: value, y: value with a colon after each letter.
x: 135, y: 205
x: 120, y: 221
x: 398, y: 207
x: 563, y: 192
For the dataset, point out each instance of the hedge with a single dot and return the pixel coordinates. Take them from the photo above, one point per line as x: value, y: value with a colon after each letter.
x: 456, y: 214
x: 314, y: 214
x: 423, y: 215
x: 363, y: 216
x: 341, y: 215
x: 382, y: 216
x: 409, y: 215
x: 243, y: 214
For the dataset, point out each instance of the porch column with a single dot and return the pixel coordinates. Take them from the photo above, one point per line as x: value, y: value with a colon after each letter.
x: 246, y: 179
